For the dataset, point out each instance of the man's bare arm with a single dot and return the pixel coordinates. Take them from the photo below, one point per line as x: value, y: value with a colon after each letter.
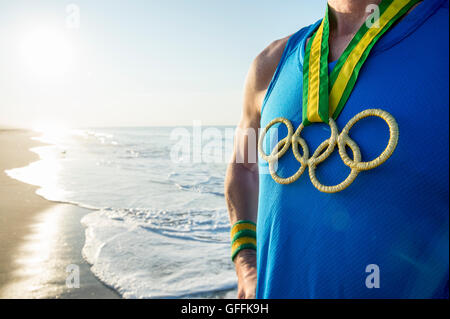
x: 242, y: 180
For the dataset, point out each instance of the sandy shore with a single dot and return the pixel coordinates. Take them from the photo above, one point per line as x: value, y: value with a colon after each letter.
x: 40, y: 241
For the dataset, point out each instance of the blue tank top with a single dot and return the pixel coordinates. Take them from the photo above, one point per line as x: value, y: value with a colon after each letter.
x: 393, y: 221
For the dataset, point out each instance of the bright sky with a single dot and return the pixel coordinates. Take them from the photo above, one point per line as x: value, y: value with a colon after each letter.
x: 135, y: 63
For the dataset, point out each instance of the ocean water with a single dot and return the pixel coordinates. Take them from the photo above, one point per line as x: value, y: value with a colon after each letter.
x: 159, y: 226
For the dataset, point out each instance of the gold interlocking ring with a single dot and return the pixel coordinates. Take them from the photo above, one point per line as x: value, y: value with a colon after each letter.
x: 278, y: 154
x: 392, y: 144
x: 346, y: 183
x: 302, y: 160
x: 326, y: 148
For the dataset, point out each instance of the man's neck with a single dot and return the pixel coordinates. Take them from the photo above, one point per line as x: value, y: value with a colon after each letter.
x: 347, y: 16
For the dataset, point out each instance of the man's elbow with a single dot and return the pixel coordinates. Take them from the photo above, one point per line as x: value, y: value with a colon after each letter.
x: 241, y: 174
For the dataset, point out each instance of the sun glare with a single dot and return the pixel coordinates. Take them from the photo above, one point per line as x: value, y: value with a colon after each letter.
x: 49, y: 128
x: 46, y: 52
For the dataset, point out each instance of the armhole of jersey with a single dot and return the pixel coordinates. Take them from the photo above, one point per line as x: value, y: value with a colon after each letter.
x: 286, y: 52
x: 290, y: 47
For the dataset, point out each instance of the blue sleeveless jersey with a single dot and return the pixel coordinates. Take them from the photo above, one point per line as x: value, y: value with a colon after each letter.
x: 390, y: 228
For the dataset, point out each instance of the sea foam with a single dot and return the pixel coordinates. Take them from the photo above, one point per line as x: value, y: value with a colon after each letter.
x: 143, y: 262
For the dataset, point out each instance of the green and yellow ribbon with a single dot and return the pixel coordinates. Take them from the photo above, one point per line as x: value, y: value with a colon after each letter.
x: 324, y: 95
x: 243, y: 236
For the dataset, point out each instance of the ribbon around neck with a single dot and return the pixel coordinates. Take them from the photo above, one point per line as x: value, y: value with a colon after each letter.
x: 324, y: 95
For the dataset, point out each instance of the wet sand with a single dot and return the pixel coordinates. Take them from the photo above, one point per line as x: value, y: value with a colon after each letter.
x: 40, y: 241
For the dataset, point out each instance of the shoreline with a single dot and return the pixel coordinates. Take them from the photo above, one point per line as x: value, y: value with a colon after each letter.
x: 40, y: 240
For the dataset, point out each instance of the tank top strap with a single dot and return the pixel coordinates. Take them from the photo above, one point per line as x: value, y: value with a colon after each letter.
x: 294, y: 44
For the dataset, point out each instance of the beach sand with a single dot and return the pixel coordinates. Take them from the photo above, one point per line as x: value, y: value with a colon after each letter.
x: 40, y: 241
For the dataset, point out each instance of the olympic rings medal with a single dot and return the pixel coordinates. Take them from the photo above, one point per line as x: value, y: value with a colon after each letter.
x: 341, y: 140
x: 392, y: 144
x: 347, y: 182
x: 272, y: 156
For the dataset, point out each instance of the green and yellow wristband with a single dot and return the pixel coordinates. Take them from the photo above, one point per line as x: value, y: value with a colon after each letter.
x: 243, y: 236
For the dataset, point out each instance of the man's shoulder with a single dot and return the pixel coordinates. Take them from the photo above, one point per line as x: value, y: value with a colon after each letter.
x: 265, y: 63
x: 272, y: 53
